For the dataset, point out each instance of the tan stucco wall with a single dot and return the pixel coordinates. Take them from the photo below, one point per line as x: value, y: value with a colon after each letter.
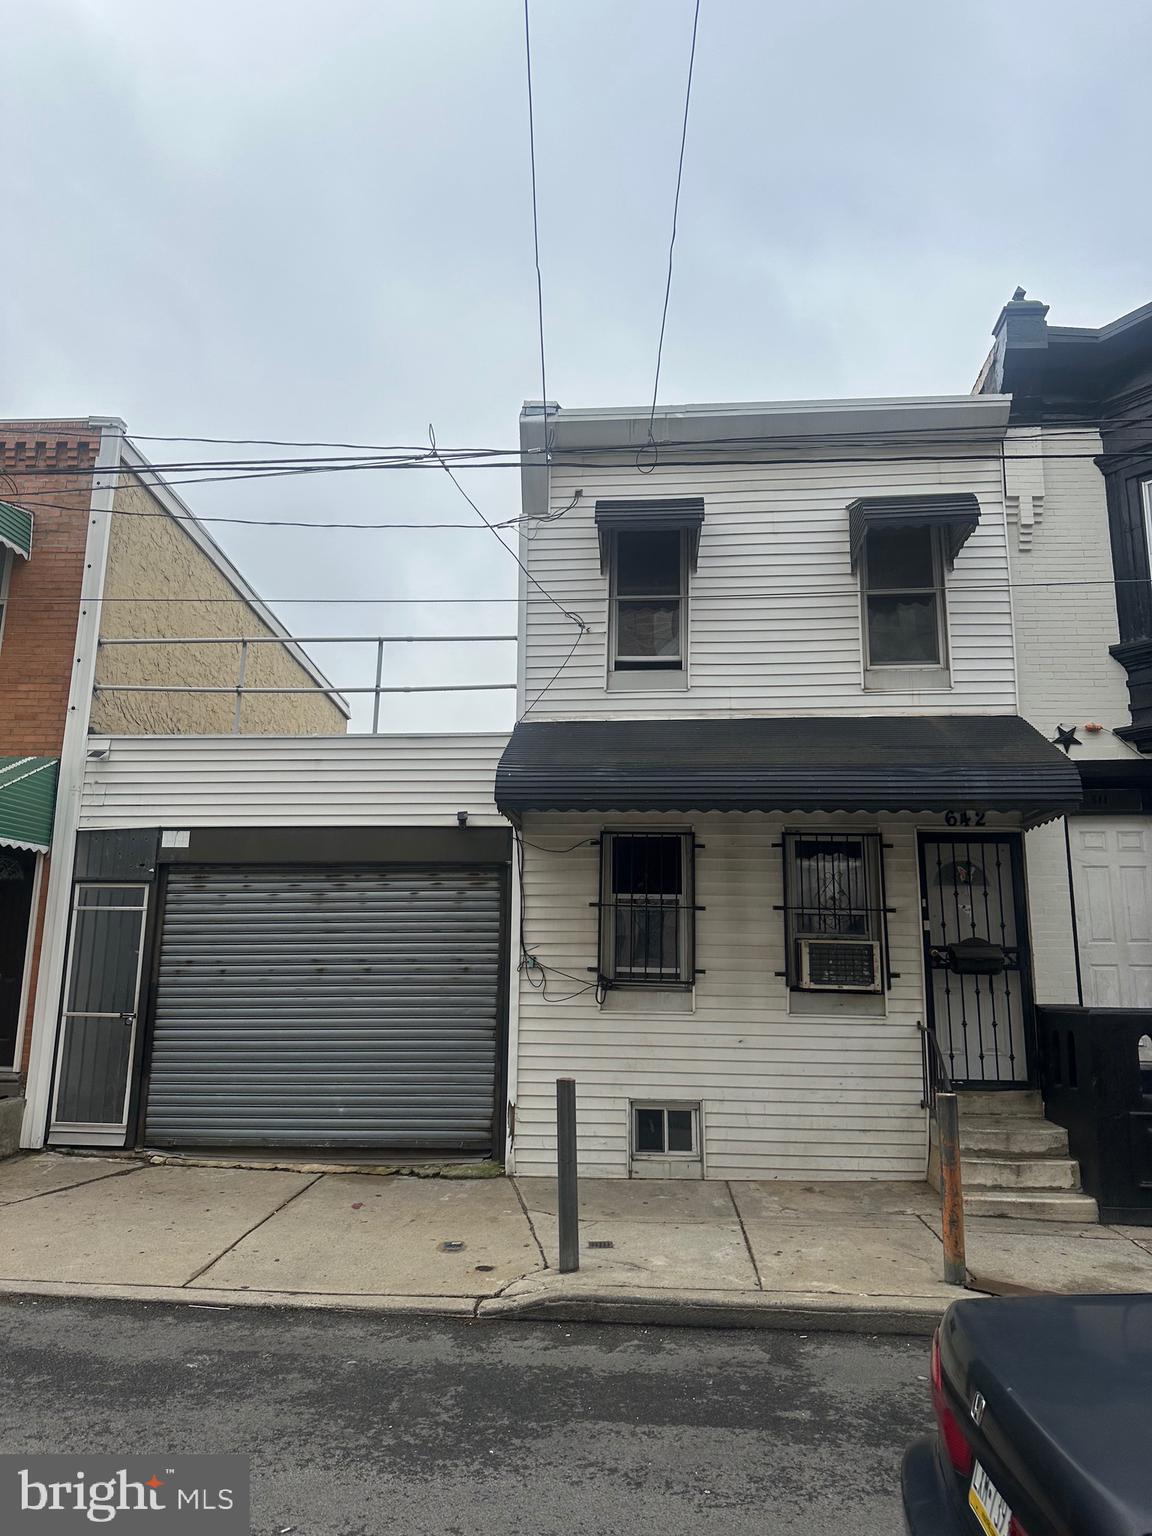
x: 151, y: 560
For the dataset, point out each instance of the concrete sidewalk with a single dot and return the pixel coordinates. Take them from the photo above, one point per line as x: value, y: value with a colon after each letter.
x: 850, y: 1255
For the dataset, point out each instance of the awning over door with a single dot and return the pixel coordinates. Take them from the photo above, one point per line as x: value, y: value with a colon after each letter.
x: 957, y: 517
x: 821, y: 763
x: 27, y: 802
x: 650, y: 515
x: 15, y: 529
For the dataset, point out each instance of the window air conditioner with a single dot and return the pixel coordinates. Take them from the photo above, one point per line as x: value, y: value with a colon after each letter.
x: 840, y: 965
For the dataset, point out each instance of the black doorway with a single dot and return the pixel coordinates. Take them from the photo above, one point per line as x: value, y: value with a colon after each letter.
x: 17, y: 876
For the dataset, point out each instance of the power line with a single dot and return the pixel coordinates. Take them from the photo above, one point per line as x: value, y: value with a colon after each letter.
x: 675, y: 217
x: 493, y: 529
x: 535, y: 220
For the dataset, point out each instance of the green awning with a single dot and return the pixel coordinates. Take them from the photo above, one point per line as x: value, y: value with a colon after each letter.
x: 27, y: 802
x: 16, y: 528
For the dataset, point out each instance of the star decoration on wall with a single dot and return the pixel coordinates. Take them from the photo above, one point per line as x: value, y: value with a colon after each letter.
x: 1066, y: 737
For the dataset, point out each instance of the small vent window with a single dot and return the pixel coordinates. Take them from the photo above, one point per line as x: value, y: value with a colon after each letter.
x: 834, y: 919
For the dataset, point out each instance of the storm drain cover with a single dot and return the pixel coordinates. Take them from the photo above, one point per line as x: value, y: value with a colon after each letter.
x: 602, y: 1242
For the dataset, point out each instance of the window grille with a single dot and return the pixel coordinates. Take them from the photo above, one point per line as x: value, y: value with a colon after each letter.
x: 834, y: 911
x: 647, y: 909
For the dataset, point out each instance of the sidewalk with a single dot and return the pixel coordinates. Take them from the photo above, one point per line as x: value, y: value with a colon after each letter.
x: 849, y: 1255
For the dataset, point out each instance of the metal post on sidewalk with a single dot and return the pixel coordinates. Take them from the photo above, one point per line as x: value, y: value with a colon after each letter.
x: 567, y: 1198
x: 951, y: 1189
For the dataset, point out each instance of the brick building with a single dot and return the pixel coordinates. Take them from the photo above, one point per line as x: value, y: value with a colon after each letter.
x: 74, y: 572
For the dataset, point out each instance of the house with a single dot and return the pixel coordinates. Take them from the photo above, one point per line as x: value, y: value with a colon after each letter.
x: 1078, y: 480
x: 771, y: 783
x: 96, y: 549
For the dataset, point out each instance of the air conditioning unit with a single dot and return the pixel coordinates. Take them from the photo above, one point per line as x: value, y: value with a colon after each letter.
x: 840, y: 965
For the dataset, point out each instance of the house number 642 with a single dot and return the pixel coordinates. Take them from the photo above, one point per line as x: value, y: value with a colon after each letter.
x: 964, y: 818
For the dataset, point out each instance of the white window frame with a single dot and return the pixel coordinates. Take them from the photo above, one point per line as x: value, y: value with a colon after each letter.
x: 684, y: 975
x: 939, y: 591
x: 664, y: 1105
x: 1146, y: 500
x: 647, y: 666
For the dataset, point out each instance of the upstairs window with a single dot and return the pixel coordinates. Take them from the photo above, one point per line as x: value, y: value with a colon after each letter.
x: 833, y: 911
x: 649, y: 600
x: 647, y: 909
x: 903, y: 587
x: 5, y: 571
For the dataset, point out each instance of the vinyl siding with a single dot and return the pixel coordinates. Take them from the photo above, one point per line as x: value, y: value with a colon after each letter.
x: 774, y: 607
x: 269, y: 781
x: 781, y: 1096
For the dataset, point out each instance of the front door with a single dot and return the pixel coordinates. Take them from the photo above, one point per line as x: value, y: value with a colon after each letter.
x: 17, y: 878
x: 98, y: 1026
x: 1112, y: 879
x: 972, y: 887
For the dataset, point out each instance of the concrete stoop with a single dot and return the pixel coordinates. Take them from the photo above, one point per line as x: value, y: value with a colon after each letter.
x: 1014, y: 1162
x: 11, y: 1117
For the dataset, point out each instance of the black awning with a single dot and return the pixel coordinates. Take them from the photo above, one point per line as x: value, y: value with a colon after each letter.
x: 650, y: 515
x: 956, y: 515
x: 810, y: 763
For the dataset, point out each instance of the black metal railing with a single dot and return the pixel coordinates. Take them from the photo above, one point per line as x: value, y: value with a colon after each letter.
x: 934, y: 1067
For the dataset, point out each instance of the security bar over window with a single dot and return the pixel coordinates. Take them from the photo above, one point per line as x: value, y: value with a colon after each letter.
x: 647, y: 911
x: 834, y: 918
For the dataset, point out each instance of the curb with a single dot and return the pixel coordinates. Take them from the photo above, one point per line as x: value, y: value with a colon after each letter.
x: 797, y: 1313
x: 792, y: 1313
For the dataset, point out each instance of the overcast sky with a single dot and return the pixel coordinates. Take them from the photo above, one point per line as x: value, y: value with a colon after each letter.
x: 312, y: 221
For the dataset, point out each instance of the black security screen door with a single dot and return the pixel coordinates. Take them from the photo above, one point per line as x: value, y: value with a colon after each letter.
x: 976, y: 955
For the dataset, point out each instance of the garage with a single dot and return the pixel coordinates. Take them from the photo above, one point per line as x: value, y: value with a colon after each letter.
x: 349, y: 1007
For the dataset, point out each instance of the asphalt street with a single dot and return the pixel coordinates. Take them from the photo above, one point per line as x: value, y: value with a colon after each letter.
x: 359, y: 1425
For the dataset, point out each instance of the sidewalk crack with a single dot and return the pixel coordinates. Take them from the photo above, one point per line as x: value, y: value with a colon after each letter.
x: 215, y: 1259
x: 744, y: 1234
x: 531, y: 1226
x: 115, y: 1173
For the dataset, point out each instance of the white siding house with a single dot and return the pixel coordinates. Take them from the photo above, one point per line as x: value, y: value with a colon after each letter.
x: 807, y: 705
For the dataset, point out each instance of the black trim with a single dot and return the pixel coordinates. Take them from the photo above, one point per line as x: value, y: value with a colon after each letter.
x: 809, y: 763
x: 957, y: 516
x: 650, y: 515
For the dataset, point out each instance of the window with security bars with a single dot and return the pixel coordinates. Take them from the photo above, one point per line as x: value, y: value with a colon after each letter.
x: 647, y: 911
x: 834, y: 918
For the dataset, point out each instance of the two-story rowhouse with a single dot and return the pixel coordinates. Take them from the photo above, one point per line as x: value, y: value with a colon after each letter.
x: 771, y: 784
x: 95, y: 548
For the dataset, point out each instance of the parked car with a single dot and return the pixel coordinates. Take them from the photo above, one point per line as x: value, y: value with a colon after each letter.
x: 1044, y: 1420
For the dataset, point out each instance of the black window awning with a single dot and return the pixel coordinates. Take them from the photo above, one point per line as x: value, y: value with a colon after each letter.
x: 793, y: 764
x: 956, y: 515
x: 650, y: 515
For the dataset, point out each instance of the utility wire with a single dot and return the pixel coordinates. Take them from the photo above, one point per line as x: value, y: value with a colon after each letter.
x: 493, y: 529
x: 675, y: 217
x: 535, y: 220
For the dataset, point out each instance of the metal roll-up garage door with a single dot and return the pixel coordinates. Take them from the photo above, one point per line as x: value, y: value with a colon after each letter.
x: 312, y: 1007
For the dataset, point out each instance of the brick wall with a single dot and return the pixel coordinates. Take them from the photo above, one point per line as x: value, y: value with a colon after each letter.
x: 46, y: 467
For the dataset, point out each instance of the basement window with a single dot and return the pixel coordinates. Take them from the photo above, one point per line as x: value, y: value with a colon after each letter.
x: 666, y: 1130
x: 833, y: 910
x: 647, y: 909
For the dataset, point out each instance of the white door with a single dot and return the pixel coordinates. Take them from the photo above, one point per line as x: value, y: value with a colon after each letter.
x: 1112, y: 871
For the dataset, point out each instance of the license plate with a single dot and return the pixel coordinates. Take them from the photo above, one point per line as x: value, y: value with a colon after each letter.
x: 988, y: 1504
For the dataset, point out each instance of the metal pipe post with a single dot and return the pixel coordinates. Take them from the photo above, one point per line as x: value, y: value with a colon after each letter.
x: 567, y: 1197
x: 951, y: 1189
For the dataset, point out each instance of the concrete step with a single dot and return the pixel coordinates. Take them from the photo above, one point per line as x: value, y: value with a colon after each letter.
x: 999, y: 1135
x: 1020, y: 1173
x: 1020, y: 1103
x: 1032, y: 1205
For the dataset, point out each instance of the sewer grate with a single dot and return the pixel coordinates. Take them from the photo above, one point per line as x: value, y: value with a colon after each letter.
x: 602, y: 1242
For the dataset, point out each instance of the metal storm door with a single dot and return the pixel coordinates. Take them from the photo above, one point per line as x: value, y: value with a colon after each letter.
x: 972, y: 896
x: 98, y: 1026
